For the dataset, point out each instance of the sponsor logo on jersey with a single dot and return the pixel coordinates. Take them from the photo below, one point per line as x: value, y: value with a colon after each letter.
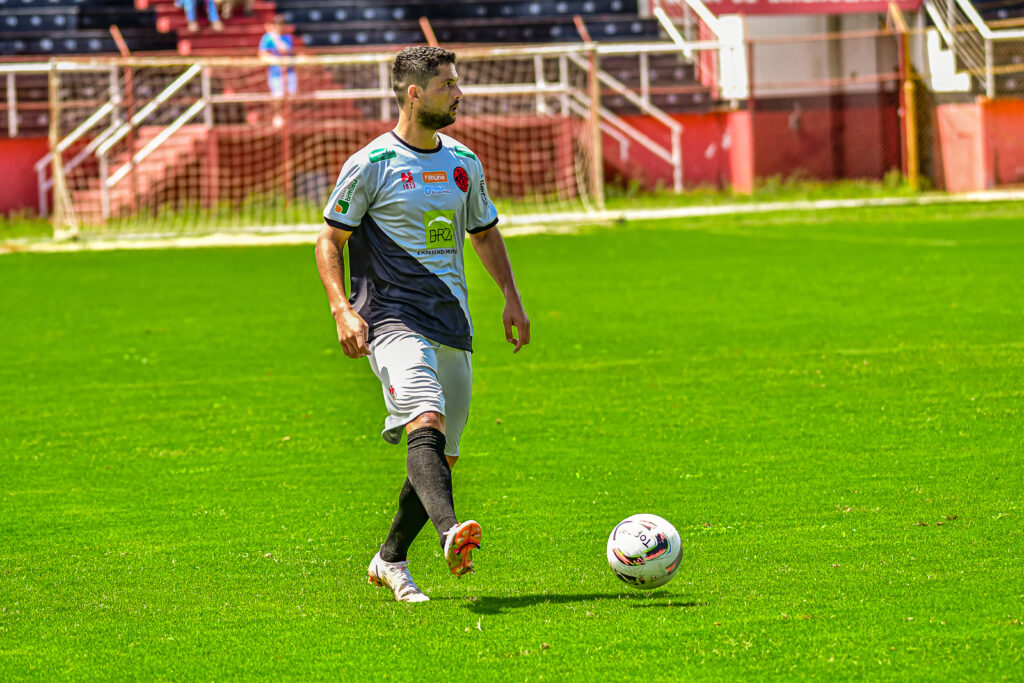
x: 381, y: 154
x: 440, y: 229
x: 461, y: 178
x: 435, y: 176
x: 431, y: 190
x: 408, y: 182
x: 345, y: 198
x: 483, y: 192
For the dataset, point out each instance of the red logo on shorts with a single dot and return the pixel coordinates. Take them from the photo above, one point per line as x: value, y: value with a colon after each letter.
x: 392, y: 390
x: 461, y: 178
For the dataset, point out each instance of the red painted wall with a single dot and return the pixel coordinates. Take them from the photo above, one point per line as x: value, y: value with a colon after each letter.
x: 960, y: 146
x: 808, y: 137
x: 1004, y: 137
x: 706, y: 142
x: 980, y: 144
x: 824, y: 140
x: 18, y: 158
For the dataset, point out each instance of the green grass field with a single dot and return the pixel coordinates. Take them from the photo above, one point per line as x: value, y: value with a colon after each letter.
x: 828, y: 406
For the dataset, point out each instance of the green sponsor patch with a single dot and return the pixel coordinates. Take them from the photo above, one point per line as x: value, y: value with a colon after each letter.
x: 382, y: 154
x: 440, y: 229
x: 463, y: 152
x: 346, y: 197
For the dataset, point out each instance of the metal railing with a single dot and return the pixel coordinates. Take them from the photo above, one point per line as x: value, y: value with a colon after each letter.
x: 970, y: 39
x: 567, y: 95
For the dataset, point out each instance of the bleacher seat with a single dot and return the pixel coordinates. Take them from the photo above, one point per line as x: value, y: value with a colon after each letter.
x: 310, y: 11
x: 1000, y: 10
x: 79, y: 42
x: 42, y: 27
x: 41, y: 19
x: 11, y: 5
x: 326, y: 23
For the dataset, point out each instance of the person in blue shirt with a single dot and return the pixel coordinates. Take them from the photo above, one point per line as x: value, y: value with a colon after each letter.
x: 275, y: 43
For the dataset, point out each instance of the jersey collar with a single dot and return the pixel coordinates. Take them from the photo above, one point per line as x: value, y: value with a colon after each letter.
x: 417, y: 149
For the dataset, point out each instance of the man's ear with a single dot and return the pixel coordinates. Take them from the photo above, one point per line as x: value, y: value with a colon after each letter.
x: 412, y: 92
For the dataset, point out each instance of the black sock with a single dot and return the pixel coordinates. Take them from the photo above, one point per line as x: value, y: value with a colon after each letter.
x: 431, y: 477
x: 409, y: 520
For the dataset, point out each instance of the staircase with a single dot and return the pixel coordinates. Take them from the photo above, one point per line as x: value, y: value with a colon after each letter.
x: 153, y: 176
x: 241, y: 32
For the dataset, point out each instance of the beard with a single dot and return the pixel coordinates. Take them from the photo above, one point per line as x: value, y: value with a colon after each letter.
x: 435, y: 120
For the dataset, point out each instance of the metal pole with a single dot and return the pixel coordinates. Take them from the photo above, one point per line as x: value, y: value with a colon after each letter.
x: 597, y: 181
x: 563, y: 76
x: 104, y: 188
x: 133, y: 182
x: 751, y: 113
x: 207, y: 92
x: 904, y: 94
x: 990, y: 77
x: 56, y: 164
x: 677, y: 160
x: 385, y: 99
x: 12, y: 107
x: 115, y: 98
x: 212, y: 159
x: 645, y: 77
x: 913, y: 153
x: 538, y: 73
x: 286, y: 144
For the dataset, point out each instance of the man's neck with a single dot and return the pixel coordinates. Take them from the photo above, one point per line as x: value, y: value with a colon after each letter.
x: 415, y: 135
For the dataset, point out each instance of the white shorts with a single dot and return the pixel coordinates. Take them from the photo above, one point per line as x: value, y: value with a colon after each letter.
x: 418, y: 376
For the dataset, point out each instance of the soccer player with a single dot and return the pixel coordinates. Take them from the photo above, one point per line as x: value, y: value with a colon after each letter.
x: 403, y: 204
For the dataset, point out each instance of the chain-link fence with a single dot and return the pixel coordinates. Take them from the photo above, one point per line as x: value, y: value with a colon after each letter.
x: 171, y: 145
x: 163, y: 145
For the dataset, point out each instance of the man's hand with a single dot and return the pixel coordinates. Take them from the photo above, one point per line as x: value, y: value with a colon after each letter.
x: 514, y: 316
x: 352, y: 333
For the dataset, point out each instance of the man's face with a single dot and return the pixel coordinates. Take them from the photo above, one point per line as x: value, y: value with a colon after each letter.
x: 439, y: 100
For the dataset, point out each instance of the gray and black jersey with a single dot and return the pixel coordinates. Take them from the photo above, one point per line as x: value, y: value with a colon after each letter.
x: 409, y: 211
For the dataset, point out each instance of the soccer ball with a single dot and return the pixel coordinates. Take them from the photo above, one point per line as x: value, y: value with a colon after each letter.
x: 644, y: 551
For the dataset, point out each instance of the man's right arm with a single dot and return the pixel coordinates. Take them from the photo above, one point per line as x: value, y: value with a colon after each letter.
x: 330, y: 262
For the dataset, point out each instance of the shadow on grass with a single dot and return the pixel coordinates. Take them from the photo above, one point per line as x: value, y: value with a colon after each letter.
x: 496, y: 605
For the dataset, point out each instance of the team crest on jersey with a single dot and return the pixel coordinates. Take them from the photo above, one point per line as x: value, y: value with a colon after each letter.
x: 461, y: 178
x: 440, y: 229
x: 408, y: 181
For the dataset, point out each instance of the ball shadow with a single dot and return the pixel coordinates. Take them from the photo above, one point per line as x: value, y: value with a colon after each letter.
x: 489, y: 604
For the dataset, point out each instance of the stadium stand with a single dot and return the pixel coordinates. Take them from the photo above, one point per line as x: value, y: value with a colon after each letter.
x: 327, y: 24
x: 43, y: 27
x: 80, y: 26
x: 1000, y: 10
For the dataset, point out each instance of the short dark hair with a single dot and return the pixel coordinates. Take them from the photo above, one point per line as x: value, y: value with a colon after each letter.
x: 417, y: 65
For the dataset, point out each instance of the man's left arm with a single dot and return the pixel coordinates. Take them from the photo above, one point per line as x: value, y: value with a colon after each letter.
x: 490, y: 247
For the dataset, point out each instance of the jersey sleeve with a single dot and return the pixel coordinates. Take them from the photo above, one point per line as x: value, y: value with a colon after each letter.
x: 351, y: 196
x: 480, y: 211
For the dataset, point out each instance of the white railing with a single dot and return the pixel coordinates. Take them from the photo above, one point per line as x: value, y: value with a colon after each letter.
x: 674, y: 155
x: 969, y: 38
x: 102, y: 144
x: 555, y: 82
x: 731, y: 73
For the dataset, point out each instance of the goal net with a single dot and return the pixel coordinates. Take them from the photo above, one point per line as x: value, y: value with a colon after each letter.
x: 185, y: 146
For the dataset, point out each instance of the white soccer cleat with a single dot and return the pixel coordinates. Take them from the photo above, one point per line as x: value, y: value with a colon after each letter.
x: 460, y: 542
x: 396, y: 576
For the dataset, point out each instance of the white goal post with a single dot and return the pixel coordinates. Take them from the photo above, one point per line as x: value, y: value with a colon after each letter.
x: 188, y: 145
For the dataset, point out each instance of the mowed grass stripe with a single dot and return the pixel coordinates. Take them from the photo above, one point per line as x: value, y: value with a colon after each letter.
x: 827, y: 406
